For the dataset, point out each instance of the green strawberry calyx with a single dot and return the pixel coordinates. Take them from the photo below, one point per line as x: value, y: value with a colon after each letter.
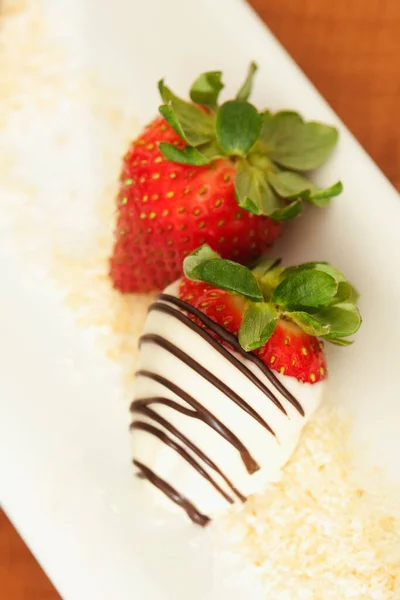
x: 272, y: 151
x: 315, y: 296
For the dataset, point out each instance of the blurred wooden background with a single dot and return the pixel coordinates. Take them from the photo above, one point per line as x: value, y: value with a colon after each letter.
x: 350, y: 49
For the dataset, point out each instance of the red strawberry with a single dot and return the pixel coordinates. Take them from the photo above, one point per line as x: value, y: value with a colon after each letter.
x: 222, y: 307
x: 293, y: 352
x: 215, y: 174
x: 165, y: 210
x: 289, y: 350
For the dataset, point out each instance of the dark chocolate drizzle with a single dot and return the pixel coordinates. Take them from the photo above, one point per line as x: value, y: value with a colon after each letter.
x: 169, y: 310
x: 152, y: 338
x: 202, y: 413
x: 158, y: 433
x: 228, y: 337
x: 197, y: 410
x: 142, y: 406
x: 195, y: 515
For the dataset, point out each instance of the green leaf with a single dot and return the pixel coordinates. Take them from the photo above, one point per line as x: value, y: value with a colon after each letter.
x: 295, y: 144
x: 321, y: 197
x: 187, y: 156
x: 306, y: 288
x: 190, y: 122
x: 318, y: 266
x: 238, y: 127
x: 291, y: 185
x: 338, y: 341
x: 343, y: 320
x: 248, y: 204
x: 345, y: 293
x: 269, y: 279
x: 202, y: 155
x: 205, y: 90
x: 253, y: 192
x: 288, y: 212
x: 308, y: 323
x: 165, y: 92
x: 257, y: 326
x: 245, y: 90
x: 264, y: 265
x: 211, y: 150
x: 230, y: 276
x: 198, y: 256
x: 205, y: 265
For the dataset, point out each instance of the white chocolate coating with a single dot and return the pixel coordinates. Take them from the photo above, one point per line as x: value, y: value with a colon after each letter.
x: 269, y: 451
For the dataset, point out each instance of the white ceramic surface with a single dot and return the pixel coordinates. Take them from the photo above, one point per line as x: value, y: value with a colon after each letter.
x: 66, y: 478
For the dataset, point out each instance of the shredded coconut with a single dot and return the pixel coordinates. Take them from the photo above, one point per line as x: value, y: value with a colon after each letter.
x: 324, y: 532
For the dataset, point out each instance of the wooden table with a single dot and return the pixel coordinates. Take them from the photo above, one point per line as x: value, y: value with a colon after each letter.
x: 350, y: 49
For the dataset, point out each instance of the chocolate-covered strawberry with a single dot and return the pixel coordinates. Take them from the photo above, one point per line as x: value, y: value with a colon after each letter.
x: 226, y: 175
x: 231, y: 367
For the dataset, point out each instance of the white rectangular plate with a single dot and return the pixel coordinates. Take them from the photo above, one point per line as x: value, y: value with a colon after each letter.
x: 66, y: 476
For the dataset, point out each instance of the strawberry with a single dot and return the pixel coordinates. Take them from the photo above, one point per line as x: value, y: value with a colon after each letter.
x: 293, y: 352
x: 224, y: 308
x: 275, y: 312
x: 203, y: 173
x: 165, y: 210
x: 289, y: 350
